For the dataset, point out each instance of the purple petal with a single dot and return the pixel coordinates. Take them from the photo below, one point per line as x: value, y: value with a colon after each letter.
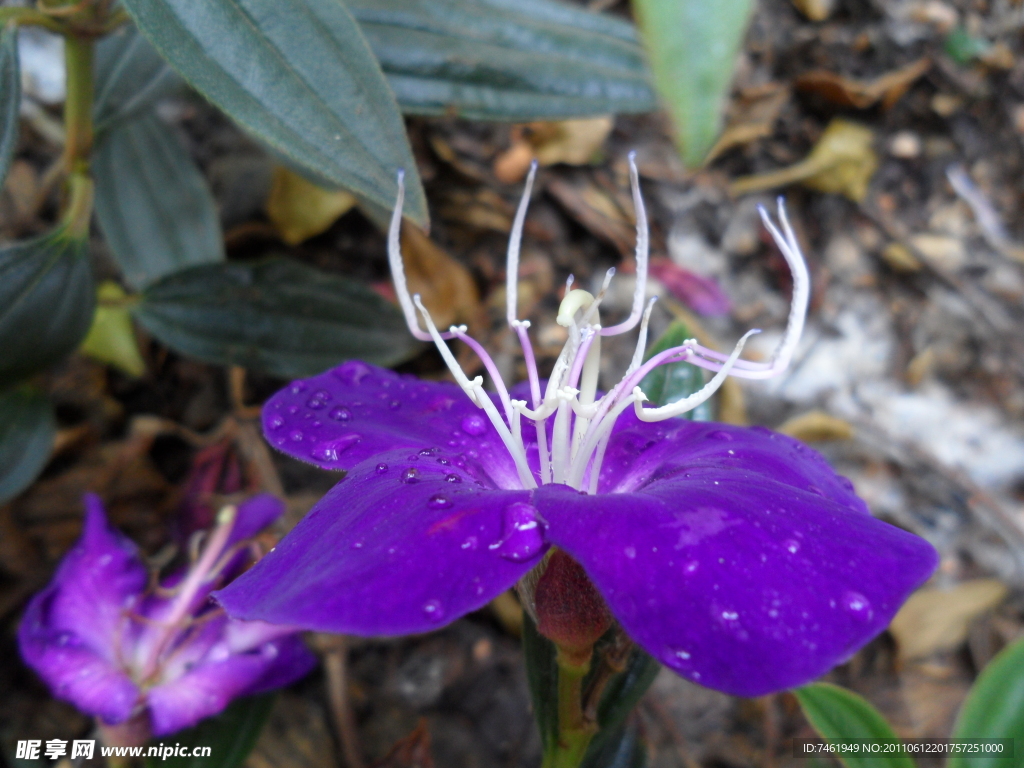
x: 350, y: 414
x: 701, y: 294
x: 254, y: 515
x: 74, y: 671
x: 98, y: 580
x: 737, y: 581
x: 404, y: 543
x: 210, y: 686
x: 639, y: 451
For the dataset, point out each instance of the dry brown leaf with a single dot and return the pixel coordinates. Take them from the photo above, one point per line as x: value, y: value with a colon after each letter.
x: 413, y: 751
x: 887, y: 89
x: 842, y: 162
x: 937, y: 619
x: 816, y: 426
x: 573, y: 142
x: 447, y: 288
x: 299, y: 209
x: 596, y: 211
x: 900, y: 258
x: 815, y: 10
x: 753, y: 116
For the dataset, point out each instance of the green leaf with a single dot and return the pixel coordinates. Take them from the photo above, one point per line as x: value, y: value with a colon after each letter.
x: 152, y: 204
x: 673, y: 381
x: 620, y: 696
x: 506, y: 59
x: 836, y: 713
x: 276, y: 316
x: 231, y: 735
x: 616, y: 744
x: 130, y: 75
x: 27, y: 428
x: 10, y: 97
x: 995, y: 708
x: 693, y: 45
x: 46, y: 302
x: 542, y: 678
x: 621, y: 748
x: 300, y: 76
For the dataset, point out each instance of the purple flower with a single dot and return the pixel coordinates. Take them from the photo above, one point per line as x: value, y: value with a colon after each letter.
x: 734, y: 555
x: 118, y: 649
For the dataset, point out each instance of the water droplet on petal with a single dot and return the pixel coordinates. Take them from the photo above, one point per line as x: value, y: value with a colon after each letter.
x: 681, y: 654
x: 452, y: 478
x: 471, y: 543
x: 719, y: 434
x: 315, y: 403
x: 846, y: 483
x: 474, y: 424
x: 629, y: 552
x: 443, y: 461
x: 322, y: 394
x: 276, y: 423
x: 815, y: 489
x: 341, y: 413
x: 352, y: 372
x: 358, y: 544
x: 330, y: 451
x: 427, y: 452
x: 381, y: 468
x: 296, y: 436
x: 410, y: 475
x: 730, y: 615
x: 692, y: 566
x: 792, y: 546
x: 299, y: 387
x: 857, y: 604
x: 437, y: 501
x: 394, y: 405
x: 522, y: 537
x: 433, y: 610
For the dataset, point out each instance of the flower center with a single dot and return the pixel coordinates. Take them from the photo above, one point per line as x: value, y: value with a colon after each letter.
x: 568, y: 413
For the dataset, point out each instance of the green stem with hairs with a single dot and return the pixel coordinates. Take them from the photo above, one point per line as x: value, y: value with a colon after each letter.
x: 575, y: 729
x: 30, y: 16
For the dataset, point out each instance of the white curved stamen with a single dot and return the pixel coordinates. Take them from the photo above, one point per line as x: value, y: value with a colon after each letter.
x: 680, y: 407
x: 475, y: 390
x: 583, y: 426
x: 514, y: 240
x: 642, y: 247
x: 398, y: 268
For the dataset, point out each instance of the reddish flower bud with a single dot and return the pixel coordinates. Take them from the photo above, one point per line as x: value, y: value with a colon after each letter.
x: 570, y: 611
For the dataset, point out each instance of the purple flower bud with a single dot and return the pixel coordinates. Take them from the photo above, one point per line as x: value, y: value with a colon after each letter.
x: 120, y: 651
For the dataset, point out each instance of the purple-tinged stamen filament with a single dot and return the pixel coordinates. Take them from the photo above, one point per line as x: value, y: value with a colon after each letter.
x: 582, y: 421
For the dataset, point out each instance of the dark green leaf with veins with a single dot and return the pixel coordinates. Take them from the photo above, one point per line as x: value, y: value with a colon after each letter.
x: 130, y: 76
x: 300, y: 76
x: 506, y: 59
x: 152, y: 203
x: 10, y: 97
x: 276, y: 316
x: 27, y: 429
x: 46, y: 302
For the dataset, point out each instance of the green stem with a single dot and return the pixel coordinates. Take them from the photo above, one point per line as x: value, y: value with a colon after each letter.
x: 30, y: 16
x: 575, y: 730
x: 78, y: 209
x: 78, y: 128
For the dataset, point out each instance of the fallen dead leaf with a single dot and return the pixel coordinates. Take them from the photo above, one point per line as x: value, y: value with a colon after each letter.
x: 817, y: 426
x: 447, y: 288
x: 815, y: 10
x: 413, y: 751
x: 596, y: 211
x: 861, y: 94
x: 900, y: 258
x: 573, y: 142
x: 300, y: 209
x: 753, y: 117
x: 937, y: 619
x: 842, y: 162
